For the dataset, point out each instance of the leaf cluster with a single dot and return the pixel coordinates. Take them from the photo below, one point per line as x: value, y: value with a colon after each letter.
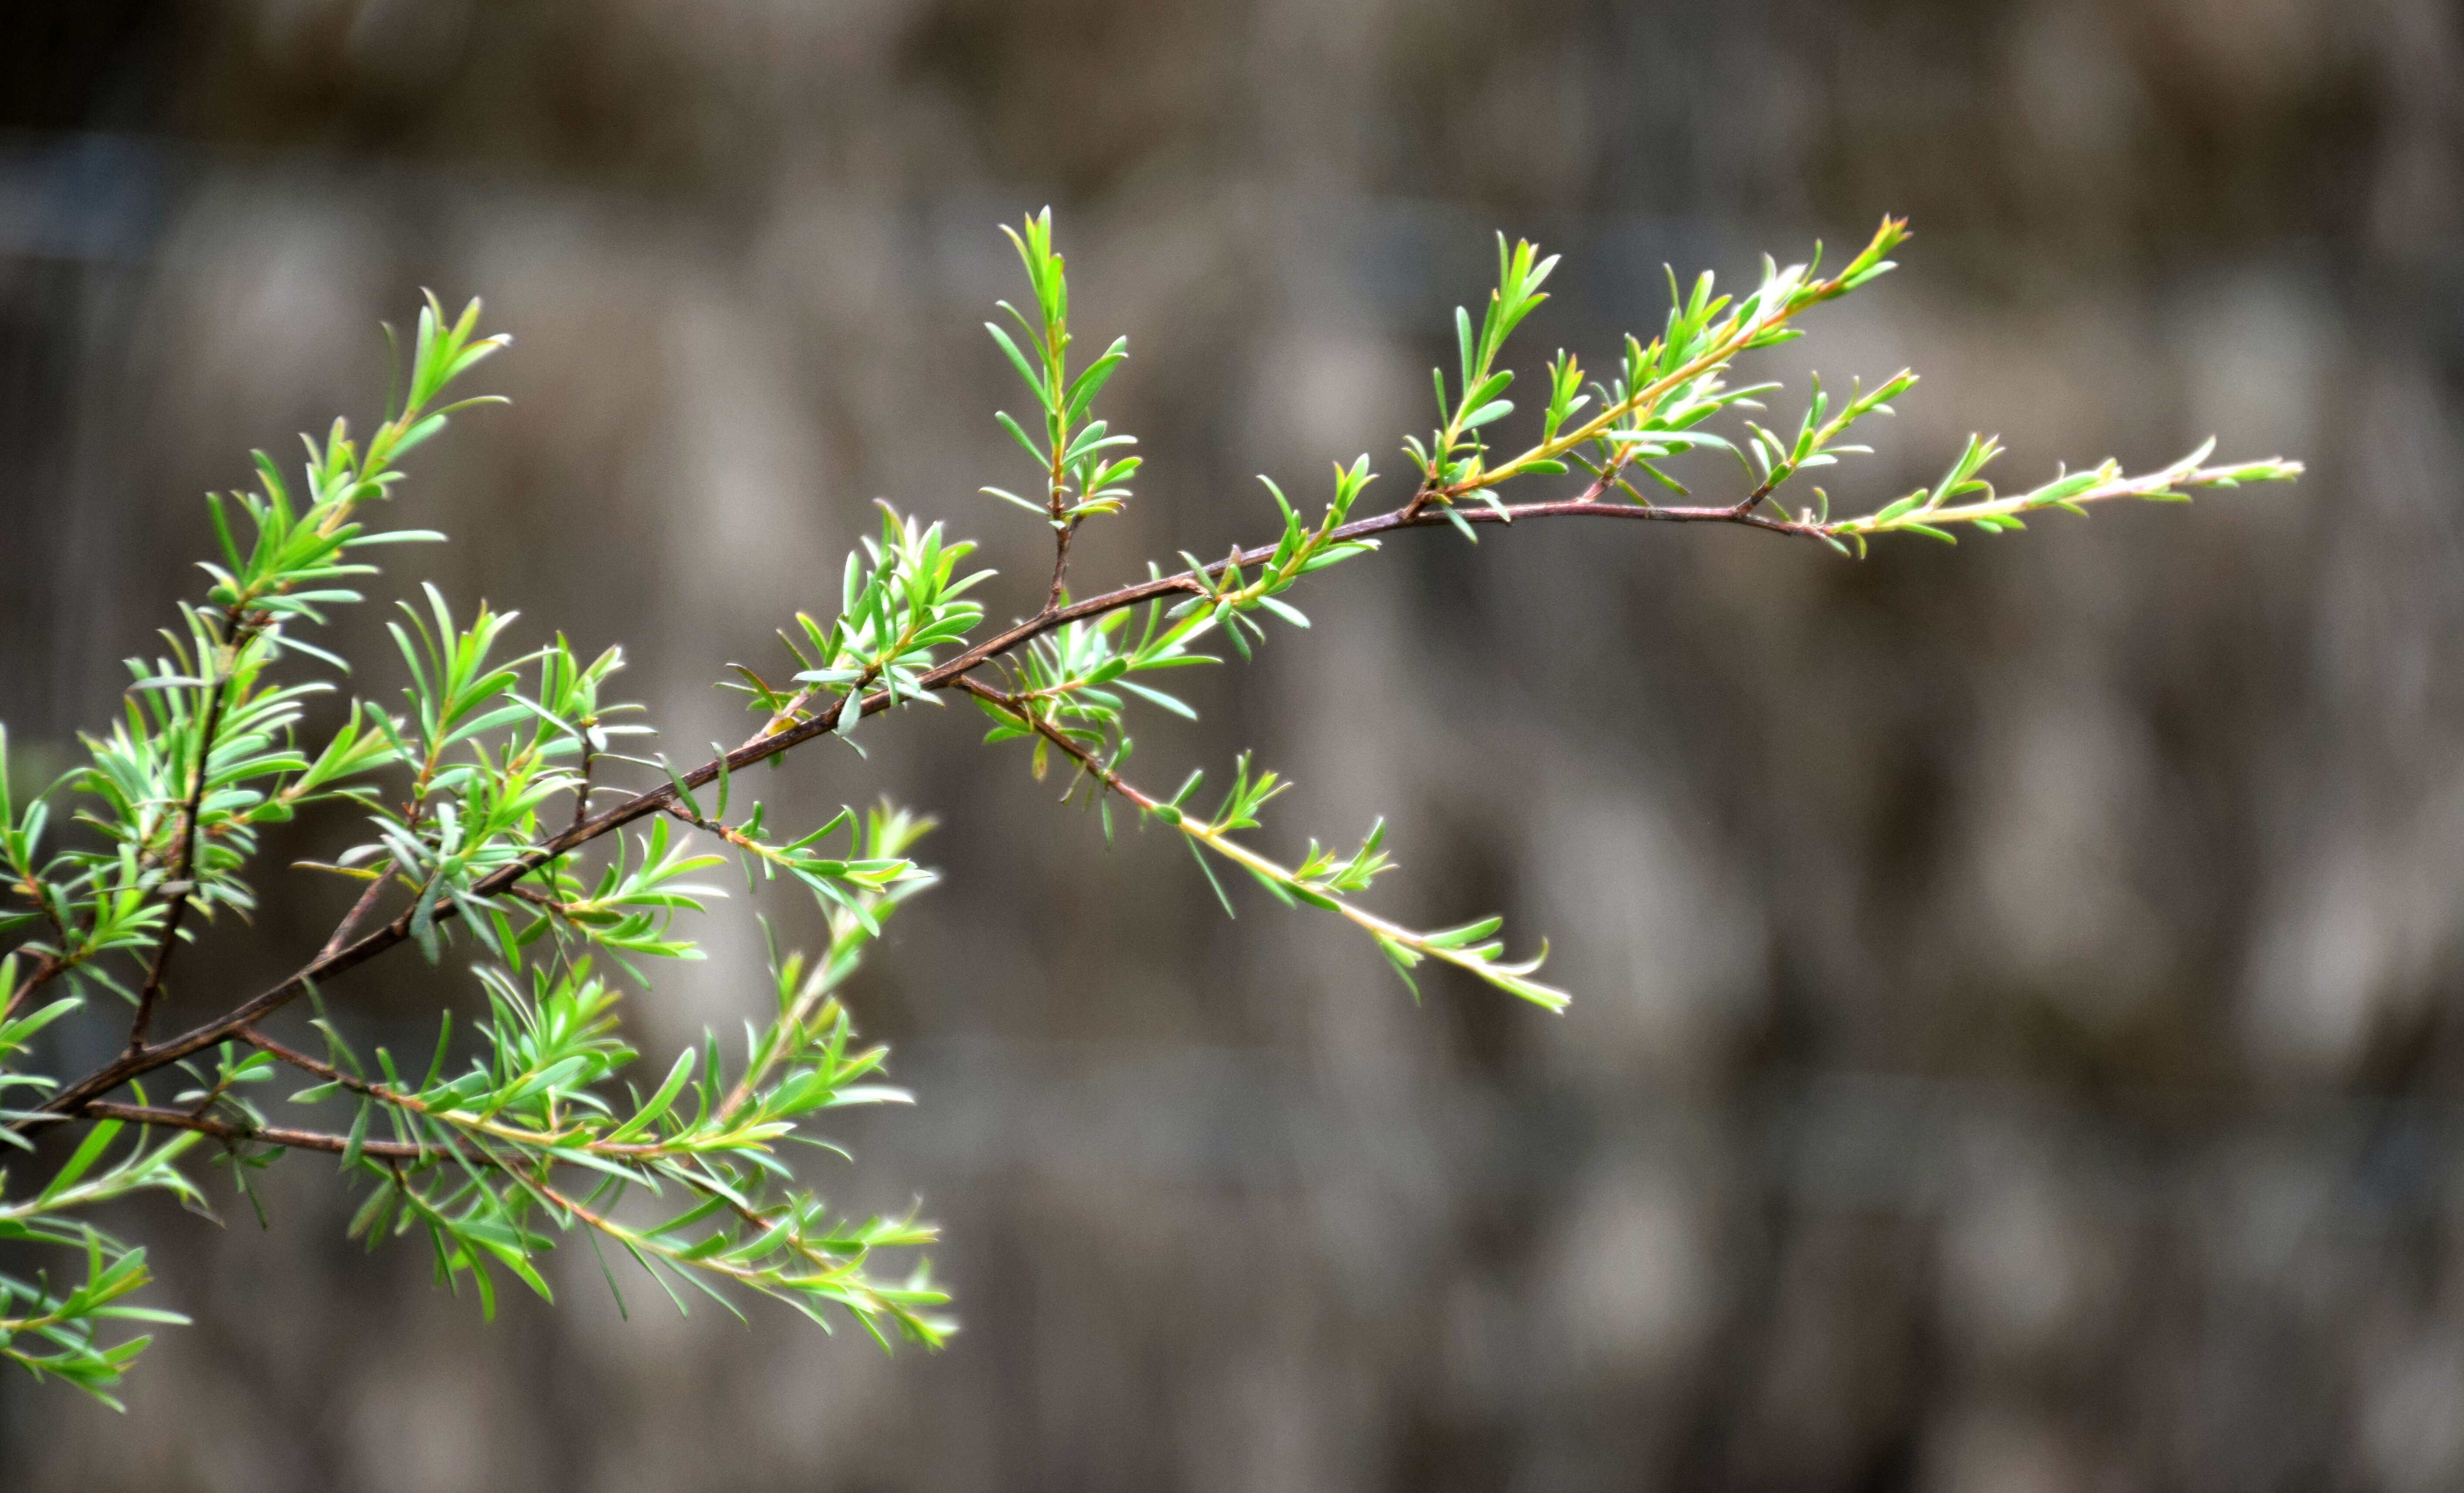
x: 476, y: 814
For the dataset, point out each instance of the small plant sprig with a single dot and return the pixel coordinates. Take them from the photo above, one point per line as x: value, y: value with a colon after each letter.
x: 481, y: 802
x: 1082, y: 477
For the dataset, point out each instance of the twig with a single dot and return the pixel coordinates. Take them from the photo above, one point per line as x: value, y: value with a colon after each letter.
x: 71, y: 1100
x: 274, y: 1134
x: 1064, y: 534
x: 49, y: 965
x: 181, y: 883
x: 581, y: 788
x: 312, y: 1065
x: 44, y: 968
x: 351, y: 919
x: 1754, y: 499
x: 1088, y: 763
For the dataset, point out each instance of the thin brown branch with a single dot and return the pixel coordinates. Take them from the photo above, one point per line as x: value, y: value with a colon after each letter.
x: 1769, y: 486
x: 269, y: 1135
x: 1410, y: 517
x: 582, y: 786
x: 180, y: 884
x: 78, y: 1096
x: 398, y: 1152
x: 1018, y: 706
x: 1065, y: 529
x: 314, y: 1066
x: 73, y: 1100
x: 1064, y: 533
x: 296, y: 1059
x: 412, y: 1103
x: 45, y: 966
x: 358, y: 910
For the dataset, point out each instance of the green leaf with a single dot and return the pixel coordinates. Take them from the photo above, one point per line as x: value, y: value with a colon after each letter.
x: 1026, y: 371
x: 97, y: 1141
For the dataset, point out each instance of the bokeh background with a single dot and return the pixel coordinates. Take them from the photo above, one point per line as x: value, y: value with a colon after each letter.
x: 2016, y: 1047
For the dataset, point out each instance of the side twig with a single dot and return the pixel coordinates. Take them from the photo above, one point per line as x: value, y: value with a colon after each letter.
x: 179, y: 887
x: 76, y: 1098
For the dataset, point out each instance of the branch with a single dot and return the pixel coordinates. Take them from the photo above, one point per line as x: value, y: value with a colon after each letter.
x: 45, y: 966
x: 183, y: 867
x: 270, y: 1134
x: 1411, y: 515
x: 1063, y: 533
x: 1404, y: 946
x: 412, y: 1103
x: 351, y: 919
x: 70, y: 1101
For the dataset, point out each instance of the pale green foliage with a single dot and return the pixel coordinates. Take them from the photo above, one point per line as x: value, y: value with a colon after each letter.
x: 476, y: 798
x: 1081, y: 479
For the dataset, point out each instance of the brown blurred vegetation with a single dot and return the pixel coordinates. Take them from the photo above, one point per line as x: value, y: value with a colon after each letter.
x: 2016, y: 1041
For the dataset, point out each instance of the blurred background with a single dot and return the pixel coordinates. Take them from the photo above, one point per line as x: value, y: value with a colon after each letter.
x: 2016, y: 1045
